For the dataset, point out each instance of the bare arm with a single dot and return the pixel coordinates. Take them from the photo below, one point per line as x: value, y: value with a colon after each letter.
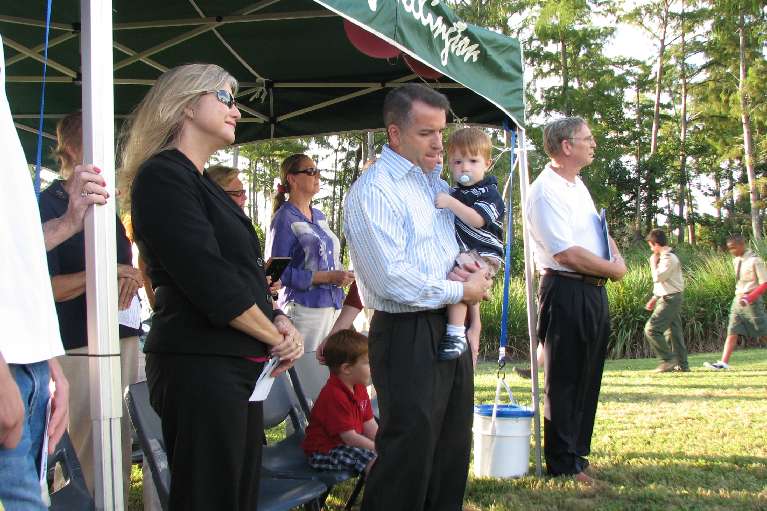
x: 354, y: 439
x: 87, y: 188
x: 583, y: 261
x: 461, y: 210
x: 59, y: 405
x: 345, y: 319
x: 370, y: 429
x: 11, y: 408
x: 68, y: 286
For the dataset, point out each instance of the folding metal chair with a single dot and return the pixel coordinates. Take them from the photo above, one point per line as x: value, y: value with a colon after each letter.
x: 275, y: 494
x: 74, y: 494
x: 286, y: 458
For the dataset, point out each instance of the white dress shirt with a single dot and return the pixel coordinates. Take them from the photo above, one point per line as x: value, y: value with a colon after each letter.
x: 560, y: 215
x: 27, y: 314
x: 402, y: 247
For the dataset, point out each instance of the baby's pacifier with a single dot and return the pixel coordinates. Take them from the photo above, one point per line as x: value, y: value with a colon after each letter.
x: 464, y: 179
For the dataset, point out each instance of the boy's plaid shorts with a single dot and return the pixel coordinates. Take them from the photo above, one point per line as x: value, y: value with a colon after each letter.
x: 343, y: 457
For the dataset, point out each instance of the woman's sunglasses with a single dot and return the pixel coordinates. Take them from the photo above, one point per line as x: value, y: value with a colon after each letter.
x: 236, y: 193
x: 225, y: 97
x: 311, y: 171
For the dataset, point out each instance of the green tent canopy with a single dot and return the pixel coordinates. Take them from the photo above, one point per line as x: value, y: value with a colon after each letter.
x: 298, y: 70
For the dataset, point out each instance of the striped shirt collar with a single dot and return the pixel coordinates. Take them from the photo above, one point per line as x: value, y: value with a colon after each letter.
x: 397, y: 166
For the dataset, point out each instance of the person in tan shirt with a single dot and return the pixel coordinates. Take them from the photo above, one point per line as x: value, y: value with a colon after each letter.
x: 747, y: 320
x: 665, y: 324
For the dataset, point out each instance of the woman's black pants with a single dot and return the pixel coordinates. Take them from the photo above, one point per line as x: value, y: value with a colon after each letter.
x: 213, y: 435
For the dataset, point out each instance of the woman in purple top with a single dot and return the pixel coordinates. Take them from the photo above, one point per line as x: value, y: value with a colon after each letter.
x: 312, y: 284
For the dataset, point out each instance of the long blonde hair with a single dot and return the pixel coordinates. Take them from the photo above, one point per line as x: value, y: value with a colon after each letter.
x: 156, y: 122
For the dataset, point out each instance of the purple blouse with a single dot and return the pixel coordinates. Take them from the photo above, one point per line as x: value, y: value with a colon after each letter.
x: 313, y: 247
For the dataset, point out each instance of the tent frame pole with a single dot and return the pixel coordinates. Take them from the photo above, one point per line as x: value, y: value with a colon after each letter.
x: 532, y: 311
x: 101, y: 255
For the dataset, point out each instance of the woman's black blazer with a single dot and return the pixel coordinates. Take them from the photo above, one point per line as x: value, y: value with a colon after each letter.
x: 202, y: 256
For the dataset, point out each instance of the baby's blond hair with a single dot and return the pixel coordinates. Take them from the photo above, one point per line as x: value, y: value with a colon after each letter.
x: 471, y: 142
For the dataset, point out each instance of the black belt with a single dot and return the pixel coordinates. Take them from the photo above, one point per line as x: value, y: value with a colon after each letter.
x: 586, y: 279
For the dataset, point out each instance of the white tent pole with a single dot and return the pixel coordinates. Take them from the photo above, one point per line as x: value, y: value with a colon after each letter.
x: 100, y: 254
x: 370, y: 151
x: 532, y: 311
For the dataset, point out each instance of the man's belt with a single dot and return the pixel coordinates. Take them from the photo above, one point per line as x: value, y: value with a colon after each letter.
x: 587, y: 279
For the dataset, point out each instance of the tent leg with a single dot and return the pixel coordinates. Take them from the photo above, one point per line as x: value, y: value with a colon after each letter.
x: 100, y: 254
x: 369, y: 147
x: 532, y: 311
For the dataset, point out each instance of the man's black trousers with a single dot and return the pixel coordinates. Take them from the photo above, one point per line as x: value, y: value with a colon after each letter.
x: 424, y: 438
x: 574, y: 324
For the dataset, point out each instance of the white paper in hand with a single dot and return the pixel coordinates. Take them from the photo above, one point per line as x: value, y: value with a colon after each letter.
x: 131, y: 317
x: 265, y: 381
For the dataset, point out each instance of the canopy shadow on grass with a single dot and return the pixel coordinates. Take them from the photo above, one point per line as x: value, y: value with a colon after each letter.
x: 733, y: 473
x: 638, y: 397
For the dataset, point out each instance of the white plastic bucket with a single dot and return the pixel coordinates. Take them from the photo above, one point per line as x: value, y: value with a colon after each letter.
x: 501, y: 443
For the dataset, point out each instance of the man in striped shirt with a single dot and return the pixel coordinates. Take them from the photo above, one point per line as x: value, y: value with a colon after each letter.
x: 402, y: 248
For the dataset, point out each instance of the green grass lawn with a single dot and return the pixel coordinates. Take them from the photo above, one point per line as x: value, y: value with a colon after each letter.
x: 694, y: 441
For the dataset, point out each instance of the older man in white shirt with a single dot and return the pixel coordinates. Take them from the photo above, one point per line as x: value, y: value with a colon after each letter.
x: 571, y: 254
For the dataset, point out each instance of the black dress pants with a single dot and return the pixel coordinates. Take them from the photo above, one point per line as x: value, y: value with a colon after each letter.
x: 213, y: 435
x: 574, y: 324
x: 424, y: 437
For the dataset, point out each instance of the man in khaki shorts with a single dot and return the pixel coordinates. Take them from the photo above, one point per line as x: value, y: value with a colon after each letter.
x: 747, y: 320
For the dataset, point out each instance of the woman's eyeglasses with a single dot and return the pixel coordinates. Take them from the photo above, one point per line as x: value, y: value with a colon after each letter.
x: 236, y: 193
x: 311, y: 171
x: 225, y: 97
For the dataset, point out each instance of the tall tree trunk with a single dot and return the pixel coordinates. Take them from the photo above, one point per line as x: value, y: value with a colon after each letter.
x: 638, y: 212
x: 731, y: 193
x: 691, y: 219
x: 568, y: 108
x: 683, y: 141
x: 659, y: 79
x: 718, y: 195
x: 748, y: 150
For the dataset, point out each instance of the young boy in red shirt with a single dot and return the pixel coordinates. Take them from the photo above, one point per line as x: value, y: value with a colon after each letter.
x: 341, y: 432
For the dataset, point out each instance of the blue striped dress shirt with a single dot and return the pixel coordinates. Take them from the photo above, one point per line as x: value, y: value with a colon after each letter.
x: 401, y: 245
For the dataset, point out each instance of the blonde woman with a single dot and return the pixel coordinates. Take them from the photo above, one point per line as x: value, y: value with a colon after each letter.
x: 312, y: 291
x: 214, y: 325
